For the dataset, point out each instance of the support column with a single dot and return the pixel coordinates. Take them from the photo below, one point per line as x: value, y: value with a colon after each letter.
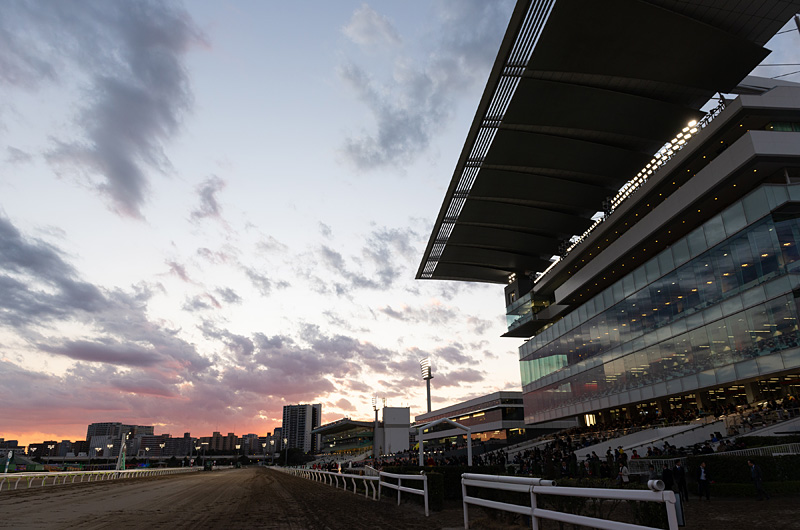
x: 751, y: 390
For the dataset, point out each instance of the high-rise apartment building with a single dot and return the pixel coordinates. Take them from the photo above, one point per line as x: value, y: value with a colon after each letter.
x: 298, y: 422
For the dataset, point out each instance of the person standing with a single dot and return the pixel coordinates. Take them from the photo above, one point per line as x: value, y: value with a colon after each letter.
x: 758, y: 477
x: 624, y: 476
x: 666, y: 476
x: 679, y: 475
x: 703, y: 482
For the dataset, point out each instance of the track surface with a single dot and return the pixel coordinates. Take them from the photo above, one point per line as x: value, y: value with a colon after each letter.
x: 264, y: 498
x: 240, y: 498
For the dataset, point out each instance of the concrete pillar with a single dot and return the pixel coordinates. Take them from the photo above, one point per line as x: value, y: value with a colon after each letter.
x: 751, y: 390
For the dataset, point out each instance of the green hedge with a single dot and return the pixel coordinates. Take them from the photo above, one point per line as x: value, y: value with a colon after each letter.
x: 749, y: 490
x: 766, y: 441
x: 734, y: 469
x: 451, y: 475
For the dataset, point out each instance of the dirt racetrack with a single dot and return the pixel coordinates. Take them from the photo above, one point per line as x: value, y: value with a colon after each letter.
x: 265, y: 498
x: 236, y: 498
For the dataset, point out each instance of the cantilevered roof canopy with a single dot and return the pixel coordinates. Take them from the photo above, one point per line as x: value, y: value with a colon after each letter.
x: 581, y: 95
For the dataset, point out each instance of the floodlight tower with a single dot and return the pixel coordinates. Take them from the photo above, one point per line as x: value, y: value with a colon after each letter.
x: 425, y: 366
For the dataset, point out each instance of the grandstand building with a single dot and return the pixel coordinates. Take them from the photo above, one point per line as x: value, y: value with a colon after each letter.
x: 648, y: 245
x: 353, y: 437
x: 494, y: 418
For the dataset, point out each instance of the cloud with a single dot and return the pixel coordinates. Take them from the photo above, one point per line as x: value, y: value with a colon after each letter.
x: 434, y: 314
x: 201, y: 302
x: 108, y: 353
x: 37, y: 284
x: 459, y: 377
x: 480, y: 326
x: 418, y: 100
x: 209, y: 205
x: 271, y: 245
x: 17, y: 156
x: 216, y: 257
x: 179, y: 270
x: 128, y: 58
x: 325, y: 230
x: 368, y: 28
x: 384, y: 258
x: 345, y: 405
x: 229, y: 296
x: 263, y: 283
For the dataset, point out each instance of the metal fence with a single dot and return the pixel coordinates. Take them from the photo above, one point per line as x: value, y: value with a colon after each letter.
x: 641, y: 465
x: 62, y: 477
x: 333, y: 479
x: 536, y: 486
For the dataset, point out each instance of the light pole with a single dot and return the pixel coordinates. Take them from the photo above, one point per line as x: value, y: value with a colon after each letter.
x: 272, y: 450
x: 50, y: 448
x: 197, y: 448
x: 97, y: 450
x: 32, y: 450
x: 147, y: 455
x: 109, y: 446
x: 237, y: 451
x: 425, y: 366
x: 285, y: 452
x: 204, y: 444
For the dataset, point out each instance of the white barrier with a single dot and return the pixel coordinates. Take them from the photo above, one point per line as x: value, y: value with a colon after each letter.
x: 329, y: 477
x: 332, y: 478
x: 535, y: 486
x: 61, y: 477
x: 400, y: 488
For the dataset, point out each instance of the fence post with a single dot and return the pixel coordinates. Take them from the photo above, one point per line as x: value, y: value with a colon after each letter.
x: 399, y: 483
x: 425, y: 489
x: 534, y: 519
x: 465, y: 503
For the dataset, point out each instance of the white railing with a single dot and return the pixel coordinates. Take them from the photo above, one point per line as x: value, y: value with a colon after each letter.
x: 536, y: 486
x: 785, y: 449
x: 400, y: 488
x: 331, y: 478
x: 642, y: 465
x: 62, y: 477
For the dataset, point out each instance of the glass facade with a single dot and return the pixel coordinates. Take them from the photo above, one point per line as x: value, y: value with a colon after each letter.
x: 715, y: 307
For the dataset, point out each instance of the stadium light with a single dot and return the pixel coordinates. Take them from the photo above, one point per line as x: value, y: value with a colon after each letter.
x: 425, y: 367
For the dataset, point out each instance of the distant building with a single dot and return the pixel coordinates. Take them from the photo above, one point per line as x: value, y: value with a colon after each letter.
x: 113, y: 433
x: 496, y: 417
x: 220, y: 444
x: 7, y: 445
x: 298, y: 422
x: 352, y: 437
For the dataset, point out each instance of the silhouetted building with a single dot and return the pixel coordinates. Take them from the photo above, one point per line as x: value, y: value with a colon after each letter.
x: 298, y: 422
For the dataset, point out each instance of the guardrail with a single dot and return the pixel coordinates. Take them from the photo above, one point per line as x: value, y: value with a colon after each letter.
x: 331, y: 478
x: 400, y: 488
x: 642, y: 465
x: 785, y: 449
x: 536, y: 486
x: 61, y: 477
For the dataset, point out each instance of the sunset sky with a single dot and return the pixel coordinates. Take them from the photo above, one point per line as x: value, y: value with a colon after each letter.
x: 213, y: 209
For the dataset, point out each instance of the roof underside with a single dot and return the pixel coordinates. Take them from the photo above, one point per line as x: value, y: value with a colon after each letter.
x: 565, y: 122
x: 342, y: 426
